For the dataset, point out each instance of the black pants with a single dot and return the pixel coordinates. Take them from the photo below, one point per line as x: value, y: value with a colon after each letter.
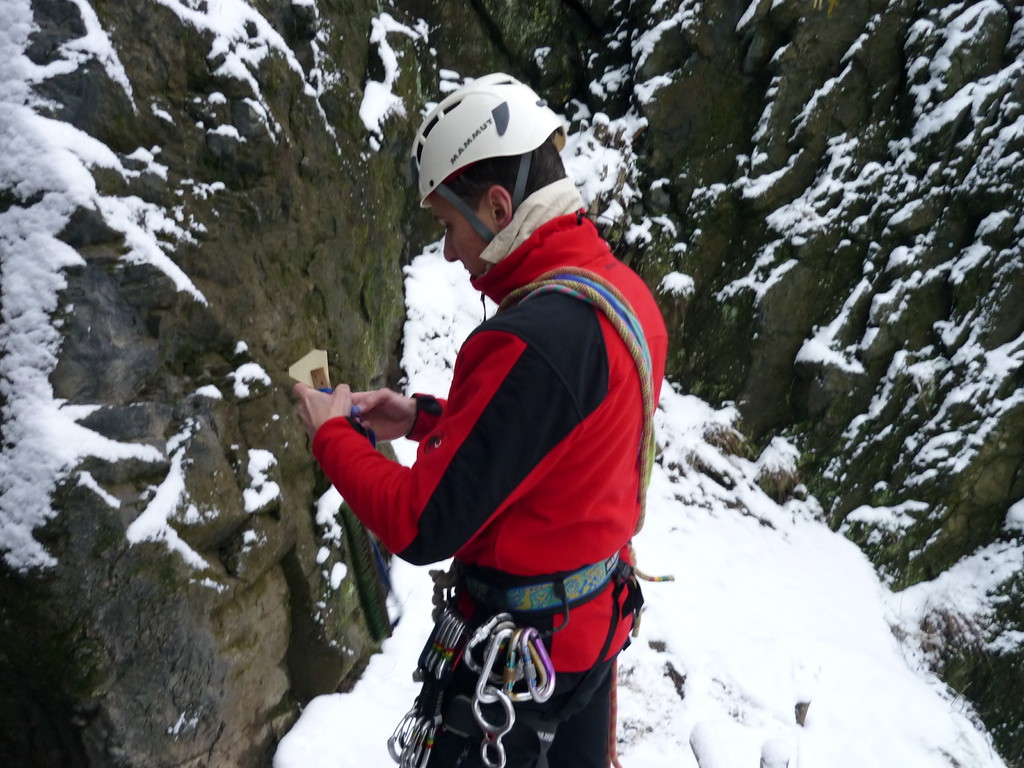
x: 570, y: 730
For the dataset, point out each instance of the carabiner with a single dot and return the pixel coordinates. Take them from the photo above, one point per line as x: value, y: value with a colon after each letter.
x: 401, y: 738
x: 447, y: 644
x: 489, y: 694
x: 499, y: 638
x: 513, y: 670
x: 481, y: 634
x: 538, y: 654
x: 419, y: 753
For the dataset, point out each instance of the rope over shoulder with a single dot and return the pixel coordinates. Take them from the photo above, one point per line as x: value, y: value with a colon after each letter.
x: 595, y: 290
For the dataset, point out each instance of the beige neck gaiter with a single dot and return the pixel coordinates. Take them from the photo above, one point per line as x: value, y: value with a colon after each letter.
x: 556, y: 199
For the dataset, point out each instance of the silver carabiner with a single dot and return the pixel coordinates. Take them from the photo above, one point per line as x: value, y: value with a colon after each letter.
x: 498, y: 638
x: 419, y: 752
x: 401, y: 738
x: 452, y: 628
x: 489, y: 694
x: 481, y: 634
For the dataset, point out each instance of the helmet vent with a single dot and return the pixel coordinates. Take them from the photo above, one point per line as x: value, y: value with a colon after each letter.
x: 501, y: 114
x: 426, y: 130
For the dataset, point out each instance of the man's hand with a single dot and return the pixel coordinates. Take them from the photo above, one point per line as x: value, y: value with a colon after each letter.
x: 314, y: 407
x: 389, y: 414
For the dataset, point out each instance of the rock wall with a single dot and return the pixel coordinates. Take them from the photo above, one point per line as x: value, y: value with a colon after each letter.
x: 180, y: 596
x: 827, y: 200
x: 846, y: 184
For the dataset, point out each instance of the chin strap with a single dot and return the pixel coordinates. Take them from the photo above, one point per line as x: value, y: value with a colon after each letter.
x: 518, y: 194
x: 463, y: 207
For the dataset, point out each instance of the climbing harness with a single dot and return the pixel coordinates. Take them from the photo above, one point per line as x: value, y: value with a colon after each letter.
x: 559, y: 591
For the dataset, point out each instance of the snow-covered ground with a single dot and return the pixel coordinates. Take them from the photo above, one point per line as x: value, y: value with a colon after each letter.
x: 769, y: 610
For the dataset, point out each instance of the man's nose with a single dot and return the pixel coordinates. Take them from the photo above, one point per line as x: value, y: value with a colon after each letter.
x: 449, y: 251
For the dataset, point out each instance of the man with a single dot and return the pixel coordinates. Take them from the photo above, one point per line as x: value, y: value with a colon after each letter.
x: 531, y: 474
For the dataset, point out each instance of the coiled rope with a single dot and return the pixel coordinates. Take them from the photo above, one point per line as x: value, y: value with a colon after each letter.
x: 595, y: 290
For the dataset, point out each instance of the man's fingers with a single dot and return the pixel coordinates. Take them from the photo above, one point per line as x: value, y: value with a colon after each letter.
x: 369, y: 400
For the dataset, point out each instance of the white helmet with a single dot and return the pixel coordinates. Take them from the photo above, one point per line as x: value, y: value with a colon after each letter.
x: 493, y: 116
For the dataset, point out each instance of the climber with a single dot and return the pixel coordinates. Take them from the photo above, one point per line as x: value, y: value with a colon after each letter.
x: 531, y: 474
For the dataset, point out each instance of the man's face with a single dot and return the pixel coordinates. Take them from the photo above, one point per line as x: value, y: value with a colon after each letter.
x: 461, y: 241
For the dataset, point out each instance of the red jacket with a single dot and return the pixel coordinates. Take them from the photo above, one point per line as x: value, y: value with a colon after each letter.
x: 531, y: 468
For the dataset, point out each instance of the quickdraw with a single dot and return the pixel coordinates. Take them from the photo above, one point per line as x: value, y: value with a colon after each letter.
x: 413, y: 739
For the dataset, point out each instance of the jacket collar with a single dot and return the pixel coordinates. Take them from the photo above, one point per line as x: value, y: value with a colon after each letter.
x: 570, y: 240
x: 556, y: 199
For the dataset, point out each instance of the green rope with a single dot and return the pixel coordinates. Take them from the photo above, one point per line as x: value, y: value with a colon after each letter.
x: 366, y: 570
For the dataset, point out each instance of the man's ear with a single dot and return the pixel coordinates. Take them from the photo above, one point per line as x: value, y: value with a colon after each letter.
x: 498, y: 204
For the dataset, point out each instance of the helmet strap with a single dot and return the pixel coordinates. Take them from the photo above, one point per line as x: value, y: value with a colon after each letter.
x: 521, y: 178
x: 463, y: 207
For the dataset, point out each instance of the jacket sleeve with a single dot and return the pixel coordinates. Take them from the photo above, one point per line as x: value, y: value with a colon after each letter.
x: 428, y: 411
x: 519, y: 389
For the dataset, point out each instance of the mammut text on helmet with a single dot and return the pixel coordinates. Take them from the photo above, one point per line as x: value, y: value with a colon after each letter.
x: 472, y: 137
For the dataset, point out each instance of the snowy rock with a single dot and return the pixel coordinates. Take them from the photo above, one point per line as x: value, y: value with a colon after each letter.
x: 775, y: 753
x: 178, y: 216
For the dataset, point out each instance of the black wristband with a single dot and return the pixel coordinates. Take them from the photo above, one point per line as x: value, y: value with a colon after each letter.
x: 424, y: 404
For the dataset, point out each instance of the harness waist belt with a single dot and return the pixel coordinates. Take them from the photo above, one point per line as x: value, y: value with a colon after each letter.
x: 546, y: 595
